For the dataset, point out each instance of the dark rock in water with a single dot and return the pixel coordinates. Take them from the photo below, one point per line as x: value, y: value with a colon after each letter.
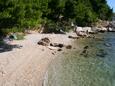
x: 86, y: 47
x: 107, y: 44
x: 84, y: 53
x: 101, y: 53
x: 57, y: 45
x: 95, y: 32
x: 102, y: 31
x: 44, y: 42
x: 68, y: 46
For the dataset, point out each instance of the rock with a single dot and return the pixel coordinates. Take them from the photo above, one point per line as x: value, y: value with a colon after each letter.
x: 111, y: 29
x: 78, y: 29
x: 61, y: 45
x: 87, y: 29
x: 101, y: 53
x: 82, y: 34
x: 107, y: 44
x: 44, y: 42
x: 102, y: 29
x: 52, y: 48
x: 57, y: 45
x: 73, y: 37
x: 53, y: 53
x: 68, y: 47
x: 84, y: 53
x: 86, y: 47
x: 59, y: 50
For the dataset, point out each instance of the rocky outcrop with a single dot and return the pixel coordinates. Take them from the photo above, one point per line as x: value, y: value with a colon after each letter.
x: 100, y: 29
x: 53, y: 46
x: 87, y: 29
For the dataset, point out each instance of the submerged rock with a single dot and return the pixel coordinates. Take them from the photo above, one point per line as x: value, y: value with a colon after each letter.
x: 68, y: 46
x: 111, y: 29
x: 101, y: 53
x: 107, y: 44
x: 85, y: 51
x: 86, y: 47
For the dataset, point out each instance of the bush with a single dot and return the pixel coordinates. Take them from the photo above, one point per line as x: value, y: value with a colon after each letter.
x: 10, y: 30
x: 56, y: 27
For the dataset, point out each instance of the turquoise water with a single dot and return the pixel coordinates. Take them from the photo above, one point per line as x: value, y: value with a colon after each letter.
x: 73, y: 68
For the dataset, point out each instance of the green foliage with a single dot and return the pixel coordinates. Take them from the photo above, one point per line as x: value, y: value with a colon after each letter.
x: 31, y: 13
x: 56, y: 27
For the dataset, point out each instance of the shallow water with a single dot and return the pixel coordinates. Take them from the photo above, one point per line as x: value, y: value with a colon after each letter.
x: 95, y: 68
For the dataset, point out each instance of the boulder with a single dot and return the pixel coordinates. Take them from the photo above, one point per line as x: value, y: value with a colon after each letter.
x: 87, y: 29
x: 111, y: 29
x: 102, y: 29
x: 78, y: 29
x: 68, y: 46
x: 95, y: 29
x: 57, y: 45
x: 44, y: 42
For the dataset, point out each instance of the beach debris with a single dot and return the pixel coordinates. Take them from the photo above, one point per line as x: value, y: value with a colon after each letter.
x: 68, y: 46
x: 44, y: 41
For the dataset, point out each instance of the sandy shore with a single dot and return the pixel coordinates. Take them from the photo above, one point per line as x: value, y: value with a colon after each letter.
x: 27, y: 66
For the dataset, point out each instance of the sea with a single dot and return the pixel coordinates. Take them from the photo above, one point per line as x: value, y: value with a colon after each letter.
x: 91, y: 62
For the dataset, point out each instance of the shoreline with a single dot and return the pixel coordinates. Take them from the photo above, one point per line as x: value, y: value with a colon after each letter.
x: 27, y: 65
